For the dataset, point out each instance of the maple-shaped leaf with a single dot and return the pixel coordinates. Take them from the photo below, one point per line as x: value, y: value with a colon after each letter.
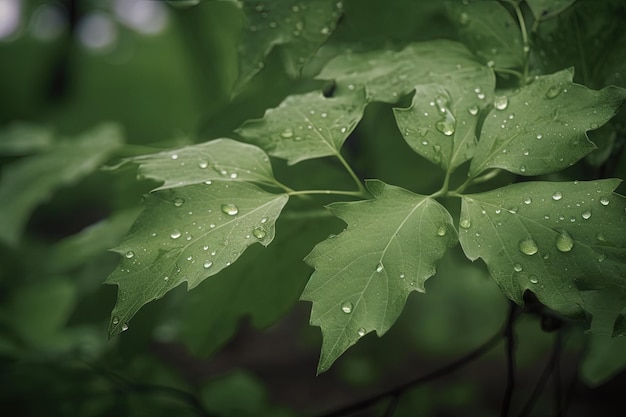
x: 298, y: 27
x: 219, y: 159
x: 306, y: 126
x: 488, y: 29
x: 554, y: 239
x: 542, y: 128
x: 31, y: 180
x: 386, y: 75
x: 441, y: 123
x: 186, y: 235
x: 363, y: 275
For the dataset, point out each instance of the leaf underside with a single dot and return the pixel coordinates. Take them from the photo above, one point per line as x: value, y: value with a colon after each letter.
x: 363, y: 275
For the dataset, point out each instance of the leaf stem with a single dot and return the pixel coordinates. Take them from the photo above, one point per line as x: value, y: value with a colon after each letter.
x: 526, y: 44
x: 475, y: 180
x: 362, y: 191
x: 444, y: 187
x: 329, y: 192
x: 517, y: 74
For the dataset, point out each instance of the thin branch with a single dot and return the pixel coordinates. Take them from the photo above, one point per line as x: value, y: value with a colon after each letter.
x: 509, y: 335
x: 441, y: 372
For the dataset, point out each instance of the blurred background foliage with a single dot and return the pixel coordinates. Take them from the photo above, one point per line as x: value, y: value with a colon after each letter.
x: 147, y: 75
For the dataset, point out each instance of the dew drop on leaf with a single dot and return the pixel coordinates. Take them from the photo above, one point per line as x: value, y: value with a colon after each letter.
x: 347, y: 307
x: 259, y: 232
x: 441, y: 231
x: 533, y: 279
x: 379, y: 267
x: 203, y: 164
x: 124, y: 327
x: 115, y: 321
x: 539, y: 135
x: 230, y: 209
x: 129, y: 254
x: 207, y: 264
x: 601, y: 258
x: 528, y: 247
x: 179, y: 201
x: 175, y: 234
x: 557, y: 196
x: 473, y: 110
x: 601, y: 237
x: 528, y: 200
x: 518, y: 268
x: 564, y: 242
x: 446, y: 125
x: 174, y: 156
x: 604, y: 201
x: 361, y: 332
x: 553, y: 91
x: 586, y: 214
x: 501, y: 102
x: 287, y: 133
x: 465, y: 223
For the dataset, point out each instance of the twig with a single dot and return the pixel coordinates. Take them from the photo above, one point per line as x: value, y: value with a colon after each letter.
x: 509, y: 335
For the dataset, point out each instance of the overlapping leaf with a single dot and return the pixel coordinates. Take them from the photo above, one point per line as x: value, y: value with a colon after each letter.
x: 387, y: 75
x: 554, y: 239
x: 219, y: 159
x: 306, y: 126
x: 542, y: 128
x: 441, y: 122
x: 363, y: 275
x: 488, y: 29
x: 30, y: 181
x: 186, y: 235
x: 299, y: 27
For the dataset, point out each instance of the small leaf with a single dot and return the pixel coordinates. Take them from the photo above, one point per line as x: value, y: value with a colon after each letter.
x: 542, y: 128
x: 554, y: 239
x: 489, y: 30
x: 387, y: 75
x: 363, y: 276
x: 441, y: 123
x: 32, y: 180
x: 306, y: 126
x: 299, y: 27
x: 186, y: 235
x: 219, y: 159
x: 545, y: 9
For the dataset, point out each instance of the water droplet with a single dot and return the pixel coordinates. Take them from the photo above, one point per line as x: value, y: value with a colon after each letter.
x: 518, y: 268
x: 528, y: 200
x: 564, y: 242
x: 234, y: 175
x: 205, y: 247
x: 557, y: 196
x: 347, y: 307
x: 208, y: 182
x: 287, y: 133
x: 546, y: 256
x: 501, y: 102
x: 594, y: 126
x: 601, y: 258
x: 441, y: 231
x: 361, y: 332
x: 604, y: 201
x: 207, y: 264
x: 124, y: 327
x: 539, y: 135
x: 553, y: 91
x: 174, y: 156
x: 203, y: 164
x: 230, y: 209
x: 446, y: 125
x: 465, y: 223
x: 379, y: 267
x: 179, y: 201
x: 601, y: 237
x: 473, y: 110
x: 528, y: 247
x: 533, y: 279
x: 586, y: 214
x: 115, y: 321
x: 259, y: 232
x: 175, y: 234
x: 130, y: 254
x: 264, y: 220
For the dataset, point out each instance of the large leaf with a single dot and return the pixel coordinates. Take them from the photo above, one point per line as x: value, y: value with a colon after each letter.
x: 219, y: 159
x: 542, y: 128
x: 387, y: 75
x: 554, y: 239
x: 32, y: 180
x: 186, y: 235
x: 299, y: 27
x: 489, y: 30
x: 441, y: 123
x: 363, y: 275
x: 306, y: 126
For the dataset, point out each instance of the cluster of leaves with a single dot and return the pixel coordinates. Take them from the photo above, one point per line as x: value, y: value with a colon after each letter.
x: 517, y: 119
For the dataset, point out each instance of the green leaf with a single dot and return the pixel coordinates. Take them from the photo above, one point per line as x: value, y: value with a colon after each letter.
x: 489, y: 30
x: 440, y: 125
x: 23, y: 139
x: 32, y: 180
x: 363, y: 276
x: 545, y: 9
x: 554, y: 239
x: 299, y: 27
x: 604, y: 359
x: 186, y: 235
x: 219, y: 159
x: 306, y: 126
x: 542, y: 128
x: 387, y: 75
